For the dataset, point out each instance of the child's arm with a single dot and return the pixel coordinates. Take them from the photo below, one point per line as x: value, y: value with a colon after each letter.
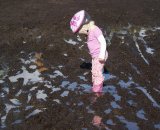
x: 102, y: 53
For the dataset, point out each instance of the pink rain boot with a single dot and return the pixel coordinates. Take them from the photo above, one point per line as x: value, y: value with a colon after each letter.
x: 97, y: 88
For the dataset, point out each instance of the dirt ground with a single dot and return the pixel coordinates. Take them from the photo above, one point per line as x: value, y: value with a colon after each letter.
x: 42, y: 25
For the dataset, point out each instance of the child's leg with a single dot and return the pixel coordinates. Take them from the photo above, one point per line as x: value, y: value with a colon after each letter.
x: 97, y: 75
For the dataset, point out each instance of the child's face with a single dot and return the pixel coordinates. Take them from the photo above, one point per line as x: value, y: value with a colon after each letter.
x: 84, y: 30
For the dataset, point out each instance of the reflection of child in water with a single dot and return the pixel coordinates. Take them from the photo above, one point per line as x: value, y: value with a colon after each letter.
x: 81, y: 23
x: 97, y: 121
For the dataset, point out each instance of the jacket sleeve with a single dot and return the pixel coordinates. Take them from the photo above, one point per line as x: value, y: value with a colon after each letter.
x: 102, y: 42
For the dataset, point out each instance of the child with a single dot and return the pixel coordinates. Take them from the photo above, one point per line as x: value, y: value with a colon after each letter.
x: 81, y: 23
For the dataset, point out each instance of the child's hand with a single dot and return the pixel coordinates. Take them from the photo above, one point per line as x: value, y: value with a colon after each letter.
x: 101, y: 60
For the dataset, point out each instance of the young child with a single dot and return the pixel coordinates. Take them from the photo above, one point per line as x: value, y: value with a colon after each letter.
x: 81, y: 23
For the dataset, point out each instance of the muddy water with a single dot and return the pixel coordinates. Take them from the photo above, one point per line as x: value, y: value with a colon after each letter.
x: 33, y: 89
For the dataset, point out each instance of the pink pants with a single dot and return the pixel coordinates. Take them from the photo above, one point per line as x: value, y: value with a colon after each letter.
x: 97, y: 75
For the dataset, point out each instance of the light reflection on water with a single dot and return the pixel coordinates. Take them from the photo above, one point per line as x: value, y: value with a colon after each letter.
x: 157, y: 126
x: 110, y: 122
x: 35, y: 112
x: 32, y: 80
x: 128, y: 124
x: 141, y: 114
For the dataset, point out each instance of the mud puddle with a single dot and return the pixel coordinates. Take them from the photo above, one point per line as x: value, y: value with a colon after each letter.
x: 129, y: 99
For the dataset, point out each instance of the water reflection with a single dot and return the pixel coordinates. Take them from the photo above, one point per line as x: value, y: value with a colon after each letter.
x: 157, y: 126
x: 35, y: 112
x: 155, y: 104
x: 141, y: 114
x: 110, y: 122
x: 108, y: 111
x: 41, y: 95
x: 95, y: 96
x: 128, y: 124
x: 97, y: 121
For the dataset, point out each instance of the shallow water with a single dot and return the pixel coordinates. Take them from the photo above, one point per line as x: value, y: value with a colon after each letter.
x: 125, y: 102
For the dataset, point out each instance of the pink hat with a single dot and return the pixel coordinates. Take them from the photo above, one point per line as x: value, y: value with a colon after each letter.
x: 78, y: 20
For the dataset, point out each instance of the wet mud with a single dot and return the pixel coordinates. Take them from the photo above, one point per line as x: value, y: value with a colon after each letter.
x: 45, y: 77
